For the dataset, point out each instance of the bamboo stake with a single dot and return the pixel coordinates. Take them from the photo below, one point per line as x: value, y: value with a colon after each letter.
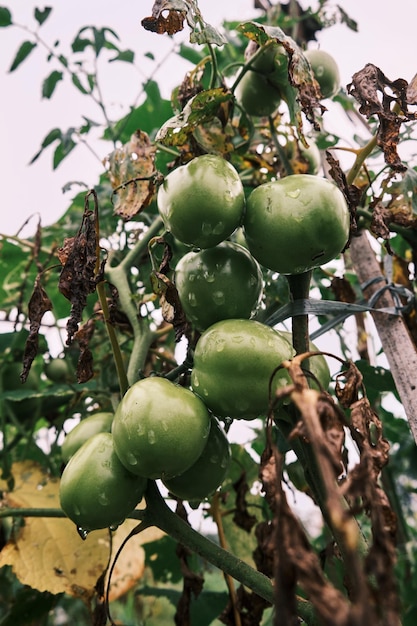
x: 396, y: 341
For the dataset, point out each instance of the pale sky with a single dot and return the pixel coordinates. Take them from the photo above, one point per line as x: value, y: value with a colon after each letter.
x: 386, y: 38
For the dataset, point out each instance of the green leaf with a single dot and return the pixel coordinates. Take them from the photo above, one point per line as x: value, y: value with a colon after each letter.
x: 5, y: 17
x: 23, y: 52
x: 76, y: 81
x: 52, y: 136
x: 42, y: 16
x: 66, y: 145
x: 207, y: 35
x: 124, y: 55
x: 49, y: 84
x: 190, y: 54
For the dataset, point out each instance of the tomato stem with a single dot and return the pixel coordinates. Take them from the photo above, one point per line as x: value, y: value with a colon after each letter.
x: 299, y: 285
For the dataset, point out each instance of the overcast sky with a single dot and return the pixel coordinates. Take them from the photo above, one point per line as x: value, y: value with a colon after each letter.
x: 386, y: 38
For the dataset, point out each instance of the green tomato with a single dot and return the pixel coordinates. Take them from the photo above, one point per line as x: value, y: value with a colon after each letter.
x: 202, y: 202
x: 96, y: 490
x: 57, y: 371
x: 272, y: 61
x: 257, y: 95
x: 91, y: 425
x: 325, y: 70
x: 233, y: 364
x: 296, y: 223
x: 159, y: 428
x: 208, y: 472
x: 317, y: 365
x: 218, y: 283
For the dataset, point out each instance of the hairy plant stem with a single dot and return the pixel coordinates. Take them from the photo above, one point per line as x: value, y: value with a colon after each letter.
x: 143, y: 336
x: 360, y: 159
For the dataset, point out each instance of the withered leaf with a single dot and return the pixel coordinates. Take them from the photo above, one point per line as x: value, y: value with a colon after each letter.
x: 78, y: 276
x: 347, y: 391
x: 131, y: 171
x: 380, y: 221
x: 39, y: 304
x: 241, y: 516
x: 376, y: 94
x: 351, y: 192
x: 83, y: 336
x: 172, y: 23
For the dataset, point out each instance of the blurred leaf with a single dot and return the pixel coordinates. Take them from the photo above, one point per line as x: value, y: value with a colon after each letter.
x: 42, y: 16
x: 78, y: 84
x: 65, y: 146
x: 23, y: 52
x: 49, y: 84
x: 162, y: 559
x: 124, y: 55
x: 53, y: 135
x: 5, y: 17
x: 29, y: 607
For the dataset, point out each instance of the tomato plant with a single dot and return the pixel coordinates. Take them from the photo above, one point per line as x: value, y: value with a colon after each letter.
x: 169, y: 325
x: 218, y: 283
x: 89, y: 426
x: 202, y: 202
x: 326, y: 71
x: 233, y: 363
x: 296, y: 223
x: 208, y: 471
x: 159, y: 428
x: 96, y: 490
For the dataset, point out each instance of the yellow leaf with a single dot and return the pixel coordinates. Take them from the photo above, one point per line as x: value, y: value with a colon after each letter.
x: 49, y: 555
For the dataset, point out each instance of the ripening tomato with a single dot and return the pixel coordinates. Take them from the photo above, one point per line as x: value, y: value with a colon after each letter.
x: 202, y: 202
x: 296, y: 223
x: 96, y: 490
x: 159, y: 428
x: 208, y: 472
x: 218, y: 283
x: 233, y: 364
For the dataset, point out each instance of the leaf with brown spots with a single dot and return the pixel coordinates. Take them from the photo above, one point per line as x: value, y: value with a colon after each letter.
x: 132, y: 175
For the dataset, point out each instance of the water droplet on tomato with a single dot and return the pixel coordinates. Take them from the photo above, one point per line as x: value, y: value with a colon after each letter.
x: 218, y: 228
x: 82, y: 532
x: 151, y: 437
x: 103, y: 499
x: 237, y: 339
x: 214, y: 459
x: 196, y: 382
x: 114, y: 527
x: 218, y: 297
x: 206, y: 228
x: 209, y: 277
x: 220, y: 345
x: 131, y: 459
x: 294, y: 193
x: 192, y: 299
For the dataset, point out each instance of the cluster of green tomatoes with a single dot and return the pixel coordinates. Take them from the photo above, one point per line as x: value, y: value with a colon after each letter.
x: 165, y: 431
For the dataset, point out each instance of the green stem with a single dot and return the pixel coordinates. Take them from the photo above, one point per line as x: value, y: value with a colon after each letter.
x: 360, y: 159
x: 299, y: 285
x: 280, y: 150
x: 159, y: 514
x: 118, y: 276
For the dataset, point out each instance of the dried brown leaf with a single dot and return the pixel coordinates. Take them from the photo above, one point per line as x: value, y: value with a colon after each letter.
x: 171, y: 23
x: 351, y: 192
x: 348, y: 384
x: 83, y: 336
x: 388, y: 100
x: 39, y: 304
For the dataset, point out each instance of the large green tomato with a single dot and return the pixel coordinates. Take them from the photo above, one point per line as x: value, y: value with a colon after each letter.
x: 218, y: 283
x: 325, y: 70
x: 159, y: 428
x: 91, y: 425
x: 208, y: 472
x: 233, y: 363
x: 296, y: 223
x: 96, y: 490
x: 202, y: 202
